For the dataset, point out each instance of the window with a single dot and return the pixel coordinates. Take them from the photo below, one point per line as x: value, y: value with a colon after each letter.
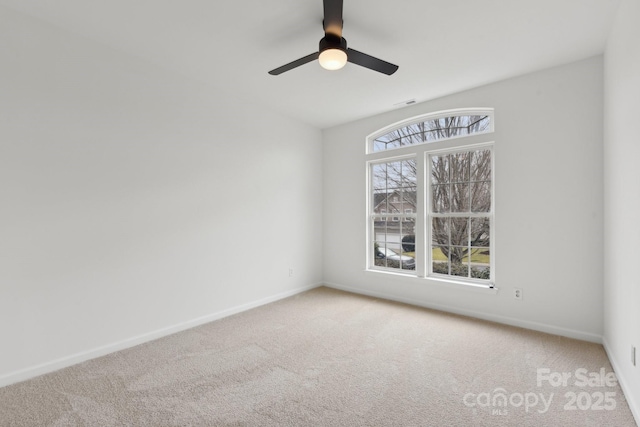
x: 431, y: 199
x: 460, y: 213
x: 433, y: 128
x: 393, y: 192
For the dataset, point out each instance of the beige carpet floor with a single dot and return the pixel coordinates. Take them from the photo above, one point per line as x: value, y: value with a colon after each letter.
x: 330, y: 358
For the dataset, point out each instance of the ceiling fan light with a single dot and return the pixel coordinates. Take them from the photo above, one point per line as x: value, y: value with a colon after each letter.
x: 332, y: 59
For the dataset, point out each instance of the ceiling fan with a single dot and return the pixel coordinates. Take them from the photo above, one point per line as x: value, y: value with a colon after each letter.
x: 333, y: 53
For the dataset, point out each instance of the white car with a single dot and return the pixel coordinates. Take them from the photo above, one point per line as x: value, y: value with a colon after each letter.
x: 408, y: 263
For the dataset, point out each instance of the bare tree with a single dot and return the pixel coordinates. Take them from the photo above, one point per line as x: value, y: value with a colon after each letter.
x: 461, y: 184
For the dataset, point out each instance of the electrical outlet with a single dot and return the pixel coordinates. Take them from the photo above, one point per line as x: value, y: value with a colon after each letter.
x: 633, y: 355
x: 291, y: 272
x: 517, y: 293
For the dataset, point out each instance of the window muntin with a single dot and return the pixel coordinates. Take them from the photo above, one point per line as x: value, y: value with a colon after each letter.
x: 434, y: 128
x: 445, y: 220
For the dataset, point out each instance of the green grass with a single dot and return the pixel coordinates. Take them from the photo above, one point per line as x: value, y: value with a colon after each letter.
x: 476, y: 256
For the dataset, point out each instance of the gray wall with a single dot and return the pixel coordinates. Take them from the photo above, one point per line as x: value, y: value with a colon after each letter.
x: 622, y: 199
x: 135, y: 202
x: 548, y: 204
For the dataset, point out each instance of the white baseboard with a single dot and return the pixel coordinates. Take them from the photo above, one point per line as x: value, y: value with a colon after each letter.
x: 74, y: 359
x: 541, y: 327
x: 633, y: 404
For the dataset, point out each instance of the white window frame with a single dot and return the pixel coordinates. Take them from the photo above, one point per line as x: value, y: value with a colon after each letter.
x: 421, y: 153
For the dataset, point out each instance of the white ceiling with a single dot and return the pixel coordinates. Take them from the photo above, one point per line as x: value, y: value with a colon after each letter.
x: 441, y: 46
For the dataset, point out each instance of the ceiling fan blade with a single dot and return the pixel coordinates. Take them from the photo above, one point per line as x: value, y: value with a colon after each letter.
x: 294, y: 64
x: 333, y: 17
x: 370, y: 62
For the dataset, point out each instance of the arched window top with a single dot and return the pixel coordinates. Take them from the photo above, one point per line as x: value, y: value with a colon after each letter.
x: 432, y: 127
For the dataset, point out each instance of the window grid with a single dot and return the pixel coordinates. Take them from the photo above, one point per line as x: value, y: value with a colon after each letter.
x: 394, y: 191
x: 454, y: 172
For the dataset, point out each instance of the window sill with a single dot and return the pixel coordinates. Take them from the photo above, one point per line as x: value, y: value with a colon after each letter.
x: 488, y: 288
